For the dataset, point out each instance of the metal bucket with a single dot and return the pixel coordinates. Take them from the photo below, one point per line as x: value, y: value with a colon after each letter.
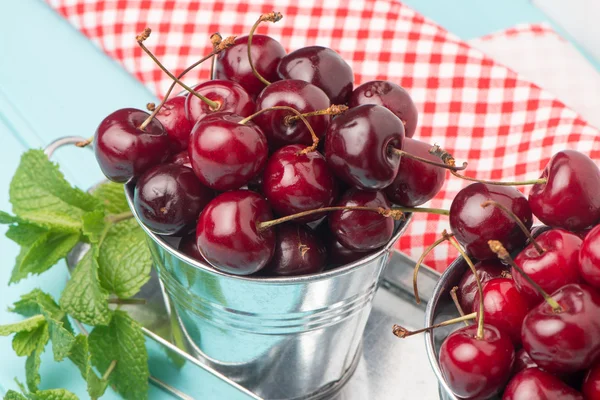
x: 281, y: 338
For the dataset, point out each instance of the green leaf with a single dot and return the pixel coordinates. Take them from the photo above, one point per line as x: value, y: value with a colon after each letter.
x: 25, y: 234
x: 25, y: 342
x: 12, y: 395
x: 27, y: 325
x: 112, y: 196
x: 6, y: 218
x: 42, y: 254
x: 40, y: 194
x: 80, y: 356
x: 32, y: 364
x: 122, y: 341
x: 83, y: 298
x: 124, y: 259
x: 54, y: 394
x: 35, y: 301
x: 62, y: 339
x: 94, y: 226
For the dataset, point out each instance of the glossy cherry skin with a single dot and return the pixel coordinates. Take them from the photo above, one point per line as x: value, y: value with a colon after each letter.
x: 360, y: 230
x: 391, y: 96
x: 571, y: 197
x: 226, y: 155
x: 340, y: 255
x: 556, y: 267
x: 294, y: 182
x: 416, y: 182
x: 523, y: 361
x: 566, y: 341
x: 173, y: 118
x: 535, y: 384
x: 591, y: 383
x: 231, y: 98
x: 589, y: 258
x: 476, y: 368
x: 169, y: 197
x: 504, y: 307
x: 298, y: 251
x: 228, y: 236
x: 232, y: 64
x: 467, y: 287
x: 474, y: 225
x: 189, y: 247
x: 323, y: 68
x: 358, y: 146
x: 123, y: 151
x: 299, y: 95
x: 181, y: 158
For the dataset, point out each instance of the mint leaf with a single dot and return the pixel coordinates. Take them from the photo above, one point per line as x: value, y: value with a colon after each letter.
x: 6, y: 218
x: 12, y: 395
x: 35, y: 301
x: 62, y: 339
x: 122, y: 341
x: 27, y: 325
x: 40, y: 194
x: 83, y: 298
x: 25, y: 342
x: 112, y: 196
x: 124, y: 259
x: 80, y: 356
x: 53, y: 394
x: 94, y: 226
x: 24, y: 234
x: 32, y: 364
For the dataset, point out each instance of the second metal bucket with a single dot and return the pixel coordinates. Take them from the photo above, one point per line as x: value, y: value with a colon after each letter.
x: 281, y: 338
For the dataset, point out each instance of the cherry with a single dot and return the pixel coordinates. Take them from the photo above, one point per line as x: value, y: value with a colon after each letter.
x: 189, y: 247
x: 591, y: 383
x: 302, y: 96
x: 168, y: 198
x: 554, y: 267
x: 181, y: 158
x: 570, y: 198
x: 504, y: 307
x: 298, y: 251
x: 486, y: 270
x: 228, y: 234
x: 225, y: 154
x: 474, y: 225
x: 416, y: 182
x: 228, y: 97
x: 535, y: 384
x: 173, y: 118
x: 358, y: 230
x: 523, y: 361
x: 392, y: 97
x: 294, y: 182
x: 323, y: 68
x: 341, y: 255
x: 589, y: 258
x: 124, y: 151
x: 476, y: 367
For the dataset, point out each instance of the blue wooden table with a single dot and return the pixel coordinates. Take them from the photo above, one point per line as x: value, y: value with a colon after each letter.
x: 54, y: 82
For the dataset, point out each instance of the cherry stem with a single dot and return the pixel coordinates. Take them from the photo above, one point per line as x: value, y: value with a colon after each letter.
x: 428, y: 250
x: 448, y: 159
x: 315, y: 139
x: 140, y: 39
x: 270, y: 17
x: 480, y: 324
x: 503, y: 255
x: 216, y: 40
x: 334, y: 109
x: 85, y: 143
x: 511, y: 214
x: 452, y: 168
x: 402, y: 333
x: 454, y: 298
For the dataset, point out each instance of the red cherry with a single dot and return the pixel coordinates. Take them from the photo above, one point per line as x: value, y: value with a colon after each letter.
x: 300, y: 95
x: 123, y: 151
x: 359, y: 146
x: 476, y: 368
x: 172, y: 116
x: 230, y: 96
x: 339, y: 255
x: 571, y: 197
x: 232, y: 64
x: 392, y: 97
x: 591, y: 383
x: 535, y: 384
x: 189, y: 247
x: 181, y: 158
x: 323, y: 68
x: 474, y: 225
x: 589, y: 258
x: 416, y: 182
x: 565, y: 341
x: 523, y: 361
x: 467, y: 287
x: 294, y: 182
x: 224, y: 154
x: 504, y: 306
x: 228, y: 235
x: 556, y: 267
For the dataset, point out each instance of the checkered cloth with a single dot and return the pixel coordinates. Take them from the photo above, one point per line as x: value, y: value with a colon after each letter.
x: 479, y: 110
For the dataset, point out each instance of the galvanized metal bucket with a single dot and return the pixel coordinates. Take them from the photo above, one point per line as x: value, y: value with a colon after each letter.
x: 281, y: 338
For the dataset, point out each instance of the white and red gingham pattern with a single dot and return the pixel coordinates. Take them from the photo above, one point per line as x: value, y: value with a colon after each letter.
x: 506, y: 127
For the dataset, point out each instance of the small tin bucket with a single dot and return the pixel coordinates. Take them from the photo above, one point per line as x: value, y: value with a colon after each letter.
x: 281, y: 338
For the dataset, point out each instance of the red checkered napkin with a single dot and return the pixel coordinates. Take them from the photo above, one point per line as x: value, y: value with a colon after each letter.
x: 506, y: 127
